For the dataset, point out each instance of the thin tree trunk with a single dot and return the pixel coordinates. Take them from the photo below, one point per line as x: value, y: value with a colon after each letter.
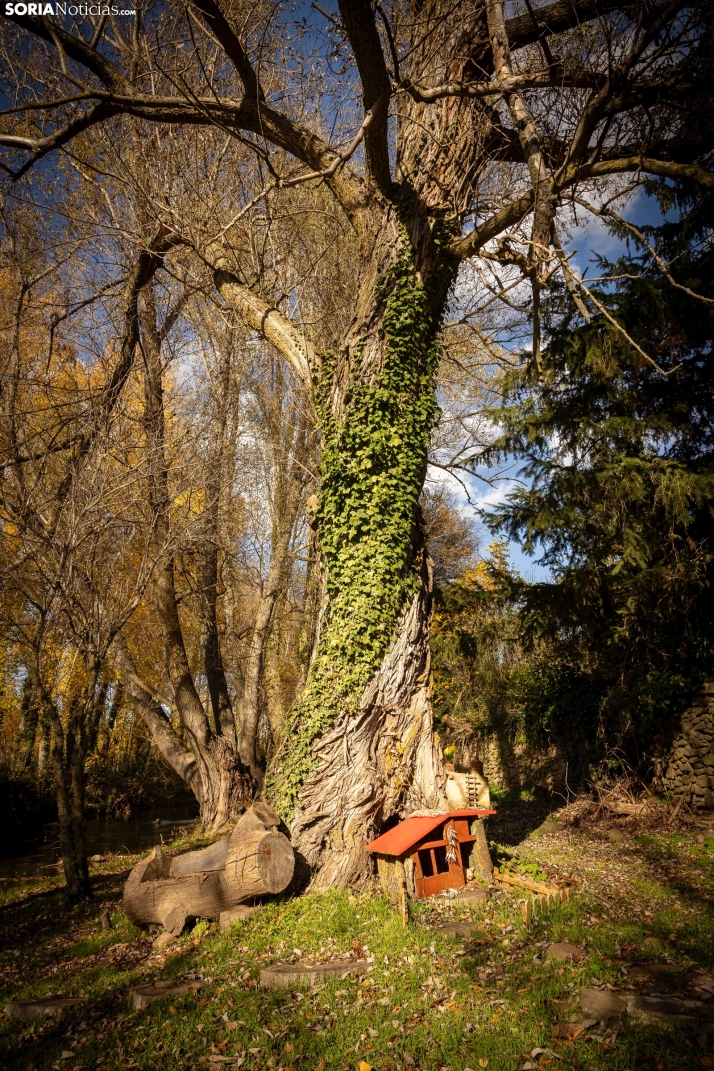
x: 208, y: 566
x: 286, y: 507
x: 226, y: 786
x: 43, y: 745
x: 27, y: 730
x: 62, y: 761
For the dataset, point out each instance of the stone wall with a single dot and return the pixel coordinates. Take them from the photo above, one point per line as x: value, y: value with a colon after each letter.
x: 691, y: 765
x: 508, y: 764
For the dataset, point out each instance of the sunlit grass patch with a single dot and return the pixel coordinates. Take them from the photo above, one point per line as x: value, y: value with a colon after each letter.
x: 429, y: 1000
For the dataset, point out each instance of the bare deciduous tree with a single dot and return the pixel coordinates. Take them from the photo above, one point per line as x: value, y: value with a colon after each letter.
x: 470, y: 133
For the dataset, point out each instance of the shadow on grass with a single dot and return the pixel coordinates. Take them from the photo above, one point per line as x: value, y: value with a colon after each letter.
x: 519, y: 813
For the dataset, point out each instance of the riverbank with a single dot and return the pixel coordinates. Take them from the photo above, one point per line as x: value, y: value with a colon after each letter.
x: 104, y: 836
x: 491, y: 997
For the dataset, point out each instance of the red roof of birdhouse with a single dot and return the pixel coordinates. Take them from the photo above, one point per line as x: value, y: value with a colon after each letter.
x: 404, y: 836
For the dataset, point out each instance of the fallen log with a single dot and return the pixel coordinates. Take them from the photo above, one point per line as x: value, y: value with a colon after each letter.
x: 255, y: 860
x: 617, y: 807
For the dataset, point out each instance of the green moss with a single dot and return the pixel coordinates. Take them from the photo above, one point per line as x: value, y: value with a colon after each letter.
x: 373, y: 462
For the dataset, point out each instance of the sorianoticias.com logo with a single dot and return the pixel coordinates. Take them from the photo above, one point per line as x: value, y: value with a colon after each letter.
x: 65, y: 9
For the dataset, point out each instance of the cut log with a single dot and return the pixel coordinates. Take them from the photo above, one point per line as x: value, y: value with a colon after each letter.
x: 143, y: 995
x: 480, y: 860
x: 257, y: 859
x: 618, y: 807
x: 259, y: 863
x: 211, y: 858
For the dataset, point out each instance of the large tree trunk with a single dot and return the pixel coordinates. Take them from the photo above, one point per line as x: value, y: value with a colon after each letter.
x: 361, y: 749
x: 378, y: 762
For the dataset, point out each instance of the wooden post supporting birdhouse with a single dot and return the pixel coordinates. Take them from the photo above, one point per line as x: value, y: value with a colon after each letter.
x: 431, y: 853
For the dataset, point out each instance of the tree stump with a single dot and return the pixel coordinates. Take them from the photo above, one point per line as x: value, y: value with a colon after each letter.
x: 40, y: 1009
x: 286, y: 975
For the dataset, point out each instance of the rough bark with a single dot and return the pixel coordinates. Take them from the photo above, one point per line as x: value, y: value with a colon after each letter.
x: 381, y: 761
x: 376, y: 757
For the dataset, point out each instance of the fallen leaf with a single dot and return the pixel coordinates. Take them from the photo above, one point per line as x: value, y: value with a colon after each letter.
x: 321, y: 1065
x: 483, y: 1061
x: 363, y: 1066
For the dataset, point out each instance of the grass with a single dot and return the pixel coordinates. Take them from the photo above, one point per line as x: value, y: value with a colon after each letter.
x: 429, y: 1001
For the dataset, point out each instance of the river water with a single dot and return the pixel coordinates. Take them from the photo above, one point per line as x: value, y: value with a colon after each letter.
x: 105, y: 836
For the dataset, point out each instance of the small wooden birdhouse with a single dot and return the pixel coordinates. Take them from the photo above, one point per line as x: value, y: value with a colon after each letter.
x: 431, y: 853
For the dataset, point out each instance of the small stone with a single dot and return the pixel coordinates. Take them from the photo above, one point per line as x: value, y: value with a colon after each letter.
x: 96, y: 859
x: 163, y: 941
x: 106, y: 921
x: 563, y: 951
x: 616, y: 836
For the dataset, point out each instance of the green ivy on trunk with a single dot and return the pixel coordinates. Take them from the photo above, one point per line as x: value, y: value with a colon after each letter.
x: 372, y: 469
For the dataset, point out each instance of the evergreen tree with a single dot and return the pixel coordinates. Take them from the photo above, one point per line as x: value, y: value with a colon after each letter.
x: 618, y: 470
